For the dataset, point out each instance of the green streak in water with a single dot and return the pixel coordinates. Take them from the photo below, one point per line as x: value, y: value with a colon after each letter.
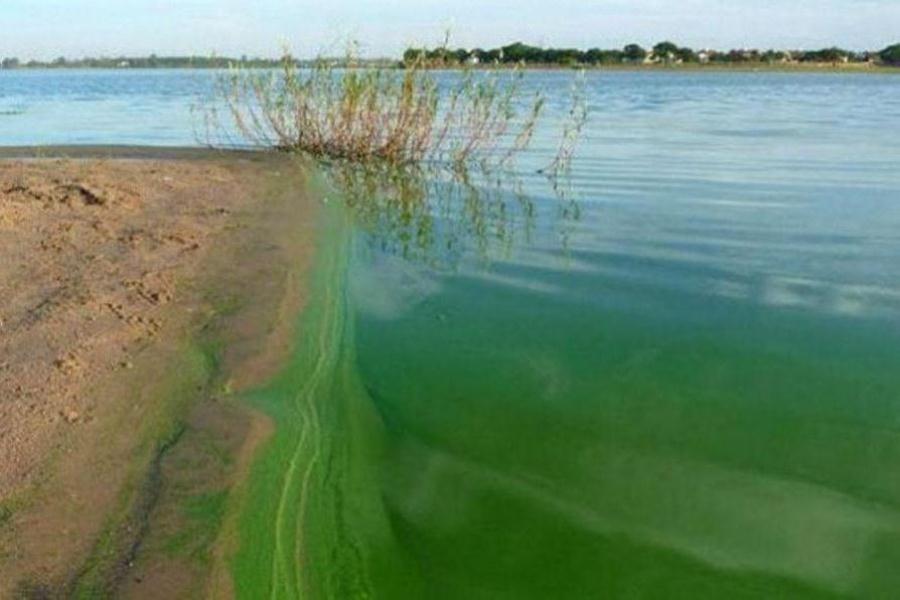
x: 312, y: 515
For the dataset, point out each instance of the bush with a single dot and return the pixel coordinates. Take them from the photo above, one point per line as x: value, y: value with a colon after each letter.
x: 397, y: 116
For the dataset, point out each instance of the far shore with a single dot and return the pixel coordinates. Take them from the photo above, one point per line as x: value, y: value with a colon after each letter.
x: 693, y: 68
x: 656, y: 67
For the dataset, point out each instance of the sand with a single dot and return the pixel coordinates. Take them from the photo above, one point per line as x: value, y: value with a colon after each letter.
x: 106, y: 267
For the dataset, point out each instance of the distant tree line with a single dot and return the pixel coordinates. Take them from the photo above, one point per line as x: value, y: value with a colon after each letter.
x: 662, y: 53
x: 517, y: 53
x: 143, y: 62
x: 184, y: 62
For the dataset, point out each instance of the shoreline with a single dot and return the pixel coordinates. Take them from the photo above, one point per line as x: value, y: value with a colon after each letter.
x: 215, y: 311
x: 687, y: 68
x: 624, y: 67
x: 128, y: 152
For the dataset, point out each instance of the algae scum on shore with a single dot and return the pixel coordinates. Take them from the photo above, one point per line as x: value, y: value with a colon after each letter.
x: 674, y: 374
x: 111, y: 275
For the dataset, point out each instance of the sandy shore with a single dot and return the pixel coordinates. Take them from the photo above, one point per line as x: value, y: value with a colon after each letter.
x: 110, y: 270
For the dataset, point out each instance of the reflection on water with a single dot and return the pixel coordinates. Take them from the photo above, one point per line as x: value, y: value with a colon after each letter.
x: 439, y: 216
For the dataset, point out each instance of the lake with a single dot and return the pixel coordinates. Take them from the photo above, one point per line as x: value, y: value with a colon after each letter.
x: 675, y: 374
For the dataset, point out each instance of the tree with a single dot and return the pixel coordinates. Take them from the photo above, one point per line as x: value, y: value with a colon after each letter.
x: 563, y: 56
x: 461, y: 55
x: 413, y: 54
x: 593, y: 56
x: 686, y: 55
x: 491, y: 56
x: 890, y: 55
x: 634, y: 52
x: 737, y: 56
x: 438, y: 55
x: 830, y: 55
x: 10, y: 63
x: 665, y: 50
x: 596, y: 56
x: 774, y: 56
x: 520, y: 52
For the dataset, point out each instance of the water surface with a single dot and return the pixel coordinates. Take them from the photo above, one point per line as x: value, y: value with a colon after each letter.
x: 687, y: 387
x: 679, y: 380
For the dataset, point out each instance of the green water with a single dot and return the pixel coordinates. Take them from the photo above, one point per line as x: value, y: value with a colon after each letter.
x: 559, y: 451
x: 311, y: 521
x: 680, y: 381
x: 300, y: 515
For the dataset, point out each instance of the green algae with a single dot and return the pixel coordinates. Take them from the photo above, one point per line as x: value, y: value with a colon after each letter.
x: 204, y: 515
x: 487, y: 442
x: 311, y: 515
x: 169, y: 398
x: 593, y: 454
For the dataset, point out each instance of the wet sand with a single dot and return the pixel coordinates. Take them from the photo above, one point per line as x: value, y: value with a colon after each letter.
x: 139, y: 286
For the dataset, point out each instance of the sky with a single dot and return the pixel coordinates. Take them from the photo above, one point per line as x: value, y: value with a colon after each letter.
x: 45, y: 29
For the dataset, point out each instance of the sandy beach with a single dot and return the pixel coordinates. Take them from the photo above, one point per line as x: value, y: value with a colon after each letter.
x: 114, y: 274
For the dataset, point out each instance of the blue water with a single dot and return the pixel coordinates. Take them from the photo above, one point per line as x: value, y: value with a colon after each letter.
x: 144, y: 107
x: 675, y: 375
